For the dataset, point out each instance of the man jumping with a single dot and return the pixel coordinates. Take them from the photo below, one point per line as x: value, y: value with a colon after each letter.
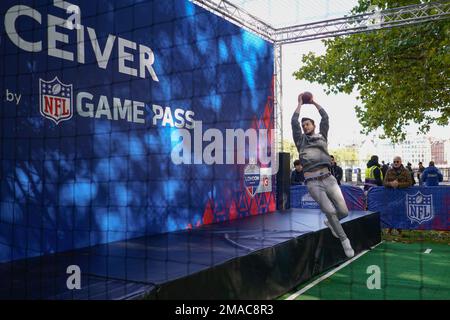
x: 314, y: 157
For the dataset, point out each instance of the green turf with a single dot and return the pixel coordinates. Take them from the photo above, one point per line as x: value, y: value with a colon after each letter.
x: 406, y: 273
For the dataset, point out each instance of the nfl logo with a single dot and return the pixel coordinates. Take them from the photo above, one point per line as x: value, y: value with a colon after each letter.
x: 252, y: 178
x: 419, y: 207
x: 55, y: 100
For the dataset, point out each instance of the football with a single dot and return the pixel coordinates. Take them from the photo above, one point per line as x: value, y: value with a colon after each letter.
x: 307, y: 97
x: 56, y: 89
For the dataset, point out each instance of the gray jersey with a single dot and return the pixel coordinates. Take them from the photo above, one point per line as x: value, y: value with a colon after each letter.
x: 313, y: 149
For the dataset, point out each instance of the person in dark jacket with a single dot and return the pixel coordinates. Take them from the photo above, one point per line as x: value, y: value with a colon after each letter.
x: 336, y: 171
x: 419, y: 173
x: 297, y: 176
x: 374, y: 176
x: 408, y: 166
x: 432, y: 176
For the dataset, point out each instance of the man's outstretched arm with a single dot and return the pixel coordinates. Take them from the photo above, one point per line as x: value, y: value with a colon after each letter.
x: 296, y: 130
x: 324, y: 125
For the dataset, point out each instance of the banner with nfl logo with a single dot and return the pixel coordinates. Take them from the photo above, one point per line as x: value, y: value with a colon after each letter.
x: 421, y: 208
x: 353, y: 196
x: 125, y: 118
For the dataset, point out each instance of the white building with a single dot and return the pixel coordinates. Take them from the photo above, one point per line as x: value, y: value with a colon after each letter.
x: 447, y: 151
x: 414, y: 149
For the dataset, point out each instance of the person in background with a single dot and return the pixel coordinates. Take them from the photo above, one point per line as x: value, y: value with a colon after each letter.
x: 336, y: 171
x: 419, y: 173
x: 408, y: 166
x: 384, y: 168
x: 297, y: 176
x: 322, y: 185
x: 431, y: 176
x: 397, y: 177
x: 374, y: 176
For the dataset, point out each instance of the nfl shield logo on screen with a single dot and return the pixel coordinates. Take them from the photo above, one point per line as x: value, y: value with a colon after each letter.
x: 252, y: 178
x: 55, y: 100
x: 419, y: 207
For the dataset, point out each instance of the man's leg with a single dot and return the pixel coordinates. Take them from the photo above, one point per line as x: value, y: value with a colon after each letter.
x: 337, y: 198
x: 317, y: 190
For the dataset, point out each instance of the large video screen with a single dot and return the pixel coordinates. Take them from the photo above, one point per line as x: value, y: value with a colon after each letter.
x: 128, y: 118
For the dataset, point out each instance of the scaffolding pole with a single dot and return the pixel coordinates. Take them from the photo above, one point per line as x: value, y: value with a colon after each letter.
x: 278, y: 99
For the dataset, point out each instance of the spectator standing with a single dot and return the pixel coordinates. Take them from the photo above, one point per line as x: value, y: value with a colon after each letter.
x: 336, y: 171
x: 431, y: 176
x: 374, y: 176
x: 419, y: 173
x: 408, y: 166
x: 397, y: 177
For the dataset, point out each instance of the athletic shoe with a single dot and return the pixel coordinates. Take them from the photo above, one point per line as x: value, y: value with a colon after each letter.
x: 348, y: 248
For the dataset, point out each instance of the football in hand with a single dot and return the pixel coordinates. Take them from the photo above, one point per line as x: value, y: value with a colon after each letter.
x: 307, y: 97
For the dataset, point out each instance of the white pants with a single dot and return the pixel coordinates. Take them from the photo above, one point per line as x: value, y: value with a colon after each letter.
x: 328, y: 195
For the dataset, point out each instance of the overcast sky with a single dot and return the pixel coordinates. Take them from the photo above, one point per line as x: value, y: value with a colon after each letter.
x: 281, y: 13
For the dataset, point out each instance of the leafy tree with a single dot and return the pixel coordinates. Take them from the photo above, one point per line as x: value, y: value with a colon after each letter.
x: 346, y: 156
x: 289, y: 146
x: 402, y: 74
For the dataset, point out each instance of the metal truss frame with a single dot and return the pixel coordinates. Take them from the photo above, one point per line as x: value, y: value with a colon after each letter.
x: 278, y: 96
x: 366, y: 22
x: 238, y: 16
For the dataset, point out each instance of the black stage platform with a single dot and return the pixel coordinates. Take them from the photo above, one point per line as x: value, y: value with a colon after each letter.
x: 259, y: 257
